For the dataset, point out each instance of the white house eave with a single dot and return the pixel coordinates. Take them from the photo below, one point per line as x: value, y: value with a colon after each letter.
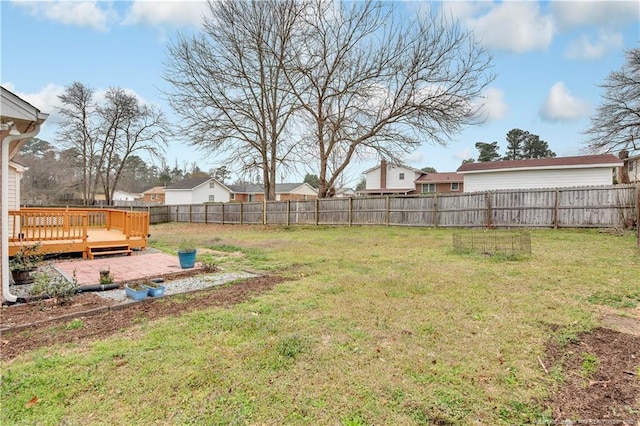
x: 556, y: 167
x: 16, y: 108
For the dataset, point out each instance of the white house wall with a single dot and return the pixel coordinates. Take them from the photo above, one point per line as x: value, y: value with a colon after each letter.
x: 393, y: 178
x: 14, y: 189
x: 198, y: 195
x: 372, y: 179
x: 173, y: 197
x: 634, y: 170
x: 304, y: 190
x: 550, y: 178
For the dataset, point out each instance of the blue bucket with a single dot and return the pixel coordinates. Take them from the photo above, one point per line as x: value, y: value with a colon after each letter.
x: 187, y: 259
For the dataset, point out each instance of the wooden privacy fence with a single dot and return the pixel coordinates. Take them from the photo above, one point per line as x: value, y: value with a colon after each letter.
x: 597, y: 207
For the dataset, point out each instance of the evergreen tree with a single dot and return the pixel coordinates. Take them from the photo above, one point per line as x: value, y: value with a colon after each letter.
x: 488, y: 151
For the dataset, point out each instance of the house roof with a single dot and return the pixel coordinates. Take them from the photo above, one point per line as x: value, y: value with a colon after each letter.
x: 393, y: 165
x: 188, y: 184
x: 440, y: 178
x: 155, y: 190
x: 581, y: 161
x: 253, y: 188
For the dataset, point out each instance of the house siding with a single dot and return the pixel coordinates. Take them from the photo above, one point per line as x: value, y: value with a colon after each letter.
x: 548, y: 178
x: 393, y: 180
x: 634, y: 170
x: 197, y: 195
x: 14, y: 189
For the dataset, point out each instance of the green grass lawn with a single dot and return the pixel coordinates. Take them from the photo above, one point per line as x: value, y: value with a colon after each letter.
x: 376, y: 326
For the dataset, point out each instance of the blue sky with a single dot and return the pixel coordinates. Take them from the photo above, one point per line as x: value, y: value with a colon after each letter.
x: 549, y: 58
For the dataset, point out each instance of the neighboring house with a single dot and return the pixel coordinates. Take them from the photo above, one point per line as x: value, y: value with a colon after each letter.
x: 398, y: 179
x: 125, y: 196
x: 284, y: 192
x: 629, y: 172
x: 441, y: 183
x: 154, y: 195
x: 345, y: 193
x: 19, y: 121
x: 557, y: 172
x: 390, y: 179
x: 16, y: 172
x: 197, y: 191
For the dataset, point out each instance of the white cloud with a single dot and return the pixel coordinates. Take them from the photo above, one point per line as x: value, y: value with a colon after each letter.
x: 78, y: 13
x: 585, y: 48
x: 512, y: 26
x: 153, y: 12
x: 493, y: 106
x: 462, y: 155
x: 561, y: 105
x: 611, y: 14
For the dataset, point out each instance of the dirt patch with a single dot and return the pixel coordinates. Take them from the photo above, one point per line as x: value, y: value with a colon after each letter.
x: 41, y: 324
x: 601, y: 383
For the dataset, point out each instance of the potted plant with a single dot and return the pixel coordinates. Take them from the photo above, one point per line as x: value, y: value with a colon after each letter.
x: 135, y: 290
x: 24, y: 262
x: 155, y: 287
x: 187, y: 254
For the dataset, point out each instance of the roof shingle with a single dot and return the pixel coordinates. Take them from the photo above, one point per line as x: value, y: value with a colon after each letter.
x: 582, y: 160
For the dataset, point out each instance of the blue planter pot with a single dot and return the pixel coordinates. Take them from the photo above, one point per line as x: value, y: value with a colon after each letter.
x: 155, y: 291
x: 187, y: 259
x: 136, y: 294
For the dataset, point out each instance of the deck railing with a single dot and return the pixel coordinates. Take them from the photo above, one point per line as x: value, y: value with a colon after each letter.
x: 47, y: 225
x: 51, y: 224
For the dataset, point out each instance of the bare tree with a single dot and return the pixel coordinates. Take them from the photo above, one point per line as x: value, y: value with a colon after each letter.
x: 77, y: 132
x: 369, y: 80
x: 229, y: 87
x: 105, y: 136
x: 616, y: 124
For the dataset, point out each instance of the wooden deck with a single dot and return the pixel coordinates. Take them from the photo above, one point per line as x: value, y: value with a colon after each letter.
x: 91, y: 232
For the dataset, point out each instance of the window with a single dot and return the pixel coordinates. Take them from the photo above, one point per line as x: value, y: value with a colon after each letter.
x: 155, y: 196
x: 212, y: 185
x: 212, y: 198
x: 455, y: 186
x: 251, y: 197
x: 401, y: 177
x: 232, y: 196
x: 428, y: 187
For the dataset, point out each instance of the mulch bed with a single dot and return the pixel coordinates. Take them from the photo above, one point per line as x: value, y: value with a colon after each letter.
x: 611, y: 395
x: 101, y: 317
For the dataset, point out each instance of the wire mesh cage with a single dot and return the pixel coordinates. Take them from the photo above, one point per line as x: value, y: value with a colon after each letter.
x: 508, y: 243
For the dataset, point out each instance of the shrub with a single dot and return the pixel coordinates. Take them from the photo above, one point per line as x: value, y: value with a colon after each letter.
x: 55, y: 286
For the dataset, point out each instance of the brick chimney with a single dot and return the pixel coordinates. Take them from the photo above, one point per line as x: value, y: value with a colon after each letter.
x: 383, y: 174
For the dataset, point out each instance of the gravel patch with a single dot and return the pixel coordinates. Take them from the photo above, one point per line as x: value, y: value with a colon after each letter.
x: 183, y: 285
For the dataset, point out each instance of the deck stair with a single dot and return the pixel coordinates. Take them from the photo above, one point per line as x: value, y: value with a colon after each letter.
x: 93, y: 251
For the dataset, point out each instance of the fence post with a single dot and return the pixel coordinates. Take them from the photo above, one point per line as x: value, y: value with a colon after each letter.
x: 555, y: 209
x: 435, y: 210
x: 317, y: 213
x: 264, y: 210
x: 388, y: 208
x: 350, y: 219
x: 488, y: 202
x: 190, y: 220
x: 206, y: 209
x: 288, y: 210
